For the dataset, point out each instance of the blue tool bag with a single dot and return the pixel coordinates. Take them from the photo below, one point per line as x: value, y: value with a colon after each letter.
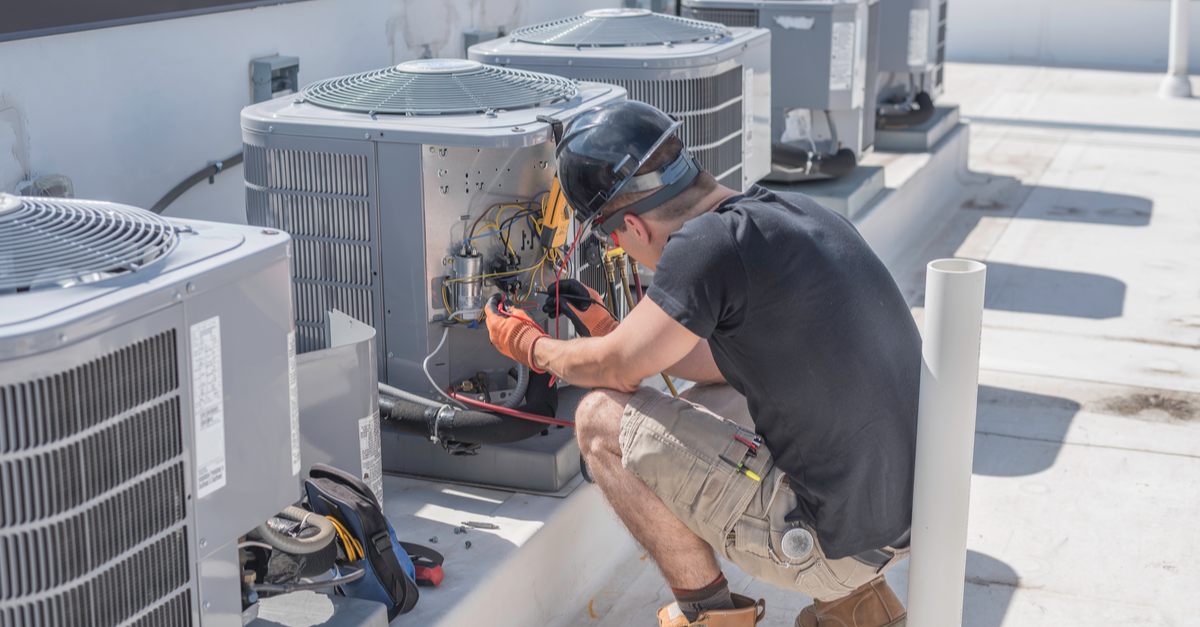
x: 391, y: 577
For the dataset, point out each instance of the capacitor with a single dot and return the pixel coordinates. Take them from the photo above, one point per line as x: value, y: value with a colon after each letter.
x: 468, y: 295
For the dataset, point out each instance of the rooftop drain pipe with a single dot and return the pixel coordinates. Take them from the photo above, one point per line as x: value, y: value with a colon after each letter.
x: 945, y: 441
x: 1176, y: 84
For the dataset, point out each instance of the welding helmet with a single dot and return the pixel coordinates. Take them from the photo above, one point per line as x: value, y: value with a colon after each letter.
x: 601, y: 150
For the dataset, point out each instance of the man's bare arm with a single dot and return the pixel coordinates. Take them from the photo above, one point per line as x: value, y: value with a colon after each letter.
x: 698, y: 366
x: 647, y: 342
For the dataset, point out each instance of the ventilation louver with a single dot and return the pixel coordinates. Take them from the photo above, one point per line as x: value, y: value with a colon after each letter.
x: 619, y: 27
x: 439, y: 86
x: 48, y: 242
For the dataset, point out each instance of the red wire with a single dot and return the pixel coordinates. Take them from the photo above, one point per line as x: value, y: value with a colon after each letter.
x: 509, y: 412
x: 566, y: 261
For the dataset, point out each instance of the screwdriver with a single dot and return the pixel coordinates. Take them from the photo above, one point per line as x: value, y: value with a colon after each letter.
x: 740, y: 467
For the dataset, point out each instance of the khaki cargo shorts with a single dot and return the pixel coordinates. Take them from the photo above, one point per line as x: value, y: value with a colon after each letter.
x: 673, y: 444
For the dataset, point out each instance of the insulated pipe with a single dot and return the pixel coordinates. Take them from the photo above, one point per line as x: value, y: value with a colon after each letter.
x: 518, y: 394
x: 299, y: 546
x: 945, y: 441
x: 891, y: 117
x: 1176, y: 84
x: 475, y: 427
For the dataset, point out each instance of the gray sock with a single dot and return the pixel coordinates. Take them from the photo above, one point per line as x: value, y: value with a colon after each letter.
x: 714, y: 596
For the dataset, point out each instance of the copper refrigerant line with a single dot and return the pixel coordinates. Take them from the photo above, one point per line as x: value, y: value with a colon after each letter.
x: 615, y: 262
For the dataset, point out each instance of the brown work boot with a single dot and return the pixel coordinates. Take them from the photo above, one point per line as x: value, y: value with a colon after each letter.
x: 745, y: 613
x: 871, y: 605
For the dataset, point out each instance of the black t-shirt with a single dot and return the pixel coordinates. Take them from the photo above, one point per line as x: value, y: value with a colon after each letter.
x: 807, y: 323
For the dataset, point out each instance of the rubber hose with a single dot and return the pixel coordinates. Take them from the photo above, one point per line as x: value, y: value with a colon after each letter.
x: 518, y: 394
x: 909, y: 117
x: 474, y: 427
x: 298, y: 546
x: 409, y: 396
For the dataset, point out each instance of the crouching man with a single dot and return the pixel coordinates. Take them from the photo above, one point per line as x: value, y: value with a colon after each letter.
x: 793, y: 455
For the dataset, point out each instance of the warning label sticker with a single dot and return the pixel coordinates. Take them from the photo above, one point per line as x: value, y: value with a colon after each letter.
x: 371, y: 454
x: 208, y: 405
x: 841, y: 57
x: 294, y: 401
x: 918, y: 37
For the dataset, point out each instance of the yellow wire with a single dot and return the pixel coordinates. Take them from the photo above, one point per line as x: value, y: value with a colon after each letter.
x: 448, y: 310
x: 494, y: 274
x: 353, y: 547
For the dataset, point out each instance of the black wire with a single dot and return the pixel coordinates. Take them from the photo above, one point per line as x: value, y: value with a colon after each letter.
x: 508, y: 223
x: 192, y: 180
x: 313, y: 585
x: 583, y: 298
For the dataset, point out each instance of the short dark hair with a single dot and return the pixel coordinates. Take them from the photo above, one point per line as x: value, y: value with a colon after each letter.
x: 681, y: 205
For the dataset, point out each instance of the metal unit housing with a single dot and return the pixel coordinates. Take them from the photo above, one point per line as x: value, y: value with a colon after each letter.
x: 912, y: 46
x: 376, y: 203
x: 720, y: 88
x: 109, y: 399
x: 823, y: 44
x: 339, y: 403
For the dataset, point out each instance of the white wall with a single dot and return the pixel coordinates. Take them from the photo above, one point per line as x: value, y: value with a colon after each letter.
x: 1089, y: 33
x: 129, y: 112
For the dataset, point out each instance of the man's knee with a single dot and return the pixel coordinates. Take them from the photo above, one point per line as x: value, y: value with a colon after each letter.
x: 598, y: 421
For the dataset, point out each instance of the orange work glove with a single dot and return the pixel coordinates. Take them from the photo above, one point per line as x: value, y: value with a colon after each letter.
x: 512, y: 331
x: 582, y: 306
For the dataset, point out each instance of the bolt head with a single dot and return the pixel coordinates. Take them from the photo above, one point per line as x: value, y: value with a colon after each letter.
x: 203, y: 543
x: 389, y: 354
x: 208, y: 605
x: 62, y: 337
x: 178, y: 297
x: 269, y: 232
x: 191, y: 287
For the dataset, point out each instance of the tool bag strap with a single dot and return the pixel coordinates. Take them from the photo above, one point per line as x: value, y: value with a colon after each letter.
x: 428, y: 563
x: 403, y: 589
x: 321, y: 471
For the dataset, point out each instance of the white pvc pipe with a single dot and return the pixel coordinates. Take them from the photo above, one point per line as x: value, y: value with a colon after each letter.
x: 1176, y: 84
x: 945, y: 441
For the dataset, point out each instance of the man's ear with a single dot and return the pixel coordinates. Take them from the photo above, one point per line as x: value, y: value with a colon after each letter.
x: 636, y: 227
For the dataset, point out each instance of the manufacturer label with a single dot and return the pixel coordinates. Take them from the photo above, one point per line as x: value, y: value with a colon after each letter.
x: 370, y: 454
x: 294, y: 402
x: 208, y: 406
x: 748, y: 110
x: 918, y: 37
x: 841, y: 57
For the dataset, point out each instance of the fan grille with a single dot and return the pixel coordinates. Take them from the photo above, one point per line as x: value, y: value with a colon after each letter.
x: 620, y: 27
x: 440, y: 86
x: 53, y: 241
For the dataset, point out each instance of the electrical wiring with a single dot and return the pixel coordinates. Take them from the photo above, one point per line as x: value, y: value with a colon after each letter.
x: 558, y: 277
x: 446, y: 302
x: 492, y: 275
x: 425, y: 365
x: 475, y: 225
x: 357, y: 574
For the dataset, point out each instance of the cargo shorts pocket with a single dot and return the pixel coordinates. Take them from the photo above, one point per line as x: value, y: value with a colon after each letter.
x: 674, y: 447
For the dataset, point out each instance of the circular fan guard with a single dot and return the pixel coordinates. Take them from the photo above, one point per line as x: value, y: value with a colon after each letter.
x: 55, y: 242
x: 440, y: 86
x: 620, y: 27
